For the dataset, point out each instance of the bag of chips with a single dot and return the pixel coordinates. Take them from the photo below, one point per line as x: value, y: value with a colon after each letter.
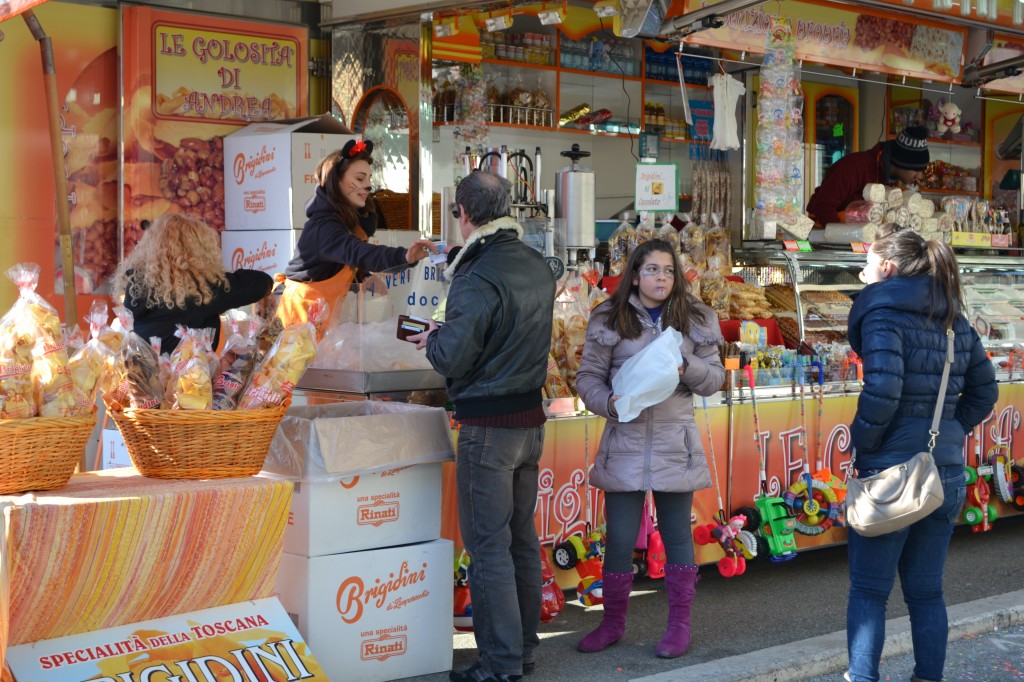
x: 284, y: 364
x: 95, y: 367
x: 191, y: 384
x: 237, y: 360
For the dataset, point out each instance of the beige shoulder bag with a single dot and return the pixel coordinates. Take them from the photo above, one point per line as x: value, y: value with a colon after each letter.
x: 900, y: 495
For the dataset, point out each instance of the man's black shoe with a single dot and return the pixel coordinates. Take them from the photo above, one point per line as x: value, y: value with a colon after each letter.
x: 476, y: 673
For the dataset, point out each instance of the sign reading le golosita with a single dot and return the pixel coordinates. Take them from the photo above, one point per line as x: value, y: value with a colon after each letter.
x: 246, y: 641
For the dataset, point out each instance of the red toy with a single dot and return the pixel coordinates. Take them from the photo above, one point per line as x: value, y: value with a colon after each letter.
x: 552, y: 597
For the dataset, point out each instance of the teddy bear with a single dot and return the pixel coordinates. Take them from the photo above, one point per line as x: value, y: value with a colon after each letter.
x: 949, y: 118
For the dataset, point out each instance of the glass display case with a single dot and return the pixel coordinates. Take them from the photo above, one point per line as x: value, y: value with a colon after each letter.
x: 812, y: 293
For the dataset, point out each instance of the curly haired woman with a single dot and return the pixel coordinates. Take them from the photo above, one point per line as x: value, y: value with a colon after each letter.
x: 174, y: 277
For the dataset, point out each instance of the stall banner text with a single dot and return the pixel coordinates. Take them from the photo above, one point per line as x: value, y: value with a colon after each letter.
x: 189, y: 80
x: 251, y: 640
x: 835, y: 34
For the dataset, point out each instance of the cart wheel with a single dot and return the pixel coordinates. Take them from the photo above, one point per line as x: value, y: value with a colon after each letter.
x: 741, y: 565
x: 993, y: 513
x: 1016, y: 476
x: 972, y: 474
x: 763, y: 549
x: 972, y: 516
x: 701, y: 535
x: 1018, y: 500
x: 753, y: 517
x: 727, y: 567
x: 564, y: 556
x: 639, y: 567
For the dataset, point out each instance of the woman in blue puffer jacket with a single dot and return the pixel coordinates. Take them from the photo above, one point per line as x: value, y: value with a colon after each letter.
x: 898, y: 326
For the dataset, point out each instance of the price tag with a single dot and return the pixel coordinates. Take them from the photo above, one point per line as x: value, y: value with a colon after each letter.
x: 859, y: 247
x: 791, y: 244
x: 804, y: 245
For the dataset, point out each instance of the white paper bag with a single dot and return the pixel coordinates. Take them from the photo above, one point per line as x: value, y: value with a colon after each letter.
x: 648, y: 377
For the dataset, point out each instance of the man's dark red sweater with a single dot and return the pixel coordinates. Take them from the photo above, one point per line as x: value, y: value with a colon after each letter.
x: 845, y: 182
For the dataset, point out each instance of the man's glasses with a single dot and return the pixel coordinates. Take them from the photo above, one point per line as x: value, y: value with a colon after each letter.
x: 655, y: 270
x: 456, y: 213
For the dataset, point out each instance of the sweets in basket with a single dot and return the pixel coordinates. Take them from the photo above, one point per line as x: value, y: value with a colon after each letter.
x: 191, y: 437
x: 45, y: 420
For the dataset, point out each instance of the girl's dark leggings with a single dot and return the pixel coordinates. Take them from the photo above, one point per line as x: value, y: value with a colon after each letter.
x: 623, y: 513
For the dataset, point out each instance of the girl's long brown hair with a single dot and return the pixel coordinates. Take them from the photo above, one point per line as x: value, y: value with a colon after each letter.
x: 678, y: 308
x: 914, y: 256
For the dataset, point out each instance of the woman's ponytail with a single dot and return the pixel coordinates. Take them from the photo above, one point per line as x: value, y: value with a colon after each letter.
x: 945, y: 279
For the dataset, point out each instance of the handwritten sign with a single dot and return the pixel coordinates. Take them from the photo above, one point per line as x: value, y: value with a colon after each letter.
x: 657, y: 187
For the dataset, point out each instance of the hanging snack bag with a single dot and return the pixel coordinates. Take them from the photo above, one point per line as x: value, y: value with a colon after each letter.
x: 718, y: 248
x: 54, y: 391
x: 95, y: 367
x: 237, y: 360
x: 618, y: 245
x: 284, y: 364
x: 191, y: 384
x: 141, y: 386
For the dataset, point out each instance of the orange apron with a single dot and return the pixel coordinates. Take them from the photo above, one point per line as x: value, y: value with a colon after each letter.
x: 297, y: 296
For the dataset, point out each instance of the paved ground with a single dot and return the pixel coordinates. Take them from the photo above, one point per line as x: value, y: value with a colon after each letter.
x: 786, y: 622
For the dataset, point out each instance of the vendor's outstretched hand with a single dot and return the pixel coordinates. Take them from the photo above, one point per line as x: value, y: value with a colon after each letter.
x: 419, y: 249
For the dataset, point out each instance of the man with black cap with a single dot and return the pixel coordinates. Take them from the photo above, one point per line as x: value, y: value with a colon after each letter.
x: 900, y: 160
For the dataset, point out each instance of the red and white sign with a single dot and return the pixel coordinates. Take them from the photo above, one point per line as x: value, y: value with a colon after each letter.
x: 268, y: 171
x: 245, y: 641
x: 383, y: 509
x: 377, y: 615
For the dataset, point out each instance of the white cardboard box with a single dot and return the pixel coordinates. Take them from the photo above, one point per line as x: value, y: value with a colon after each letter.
x: 383, y: 509
x: 115, y: 453
x: 269, y: 168
x: 382, y: 614
x: 266, y: 250
x: 324, y: 443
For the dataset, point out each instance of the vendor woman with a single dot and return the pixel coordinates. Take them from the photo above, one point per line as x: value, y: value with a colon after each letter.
x: 900, y: 160
x: 333, y: 248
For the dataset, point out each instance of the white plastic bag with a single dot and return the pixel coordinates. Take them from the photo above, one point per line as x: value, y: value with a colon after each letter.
x: 648, y: 377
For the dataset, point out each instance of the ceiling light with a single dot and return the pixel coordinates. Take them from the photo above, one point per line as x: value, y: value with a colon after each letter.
x: 606, y: 8
x: 548, y: 17
x: 499, y: 23
x: 445, y: 30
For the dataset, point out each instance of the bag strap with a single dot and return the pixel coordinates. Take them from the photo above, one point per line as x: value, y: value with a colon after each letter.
x: 933, y: 432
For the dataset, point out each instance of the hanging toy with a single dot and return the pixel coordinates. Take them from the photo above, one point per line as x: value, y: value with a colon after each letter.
x: 462, y: 613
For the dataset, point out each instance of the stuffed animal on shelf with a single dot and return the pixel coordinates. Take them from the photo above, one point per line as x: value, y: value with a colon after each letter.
x: 949, y: 118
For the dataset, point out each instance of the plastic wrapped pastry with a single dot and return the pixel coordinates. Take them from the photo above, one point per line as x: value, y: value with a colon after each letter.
x: 237, y: 360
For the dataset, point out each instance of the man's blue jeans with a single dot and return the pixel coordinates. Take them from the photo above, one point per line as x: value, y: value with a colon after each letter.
x: 496, y: 476
x: 918, y: 553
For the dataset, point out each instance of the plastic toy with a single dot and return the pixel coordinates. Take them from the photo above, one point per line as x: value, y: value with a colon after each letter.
x: 644, y: 539
x: 552, y: 597
x: 1017, y: 481
x: 462, y: 613
x: 999, y: 460
x: 978, y: 512
x: 737, y: 543
x: 586, y: 556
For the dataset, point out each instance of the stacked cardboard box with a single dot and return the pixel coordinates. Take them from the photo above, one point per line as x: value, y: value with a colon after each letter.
x: 268, y: 180
x: 365, y: 575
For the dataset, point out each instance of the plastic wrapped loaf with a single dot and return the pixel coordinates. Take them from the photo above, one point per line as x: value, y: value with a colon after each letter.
x: 864, y: 212
x: 844, y: 233
x: 893, y: 196
x: 915, y: 223
x: 929, y: 225
x: 918, y: 205
x: 874, y: 192
x: 890, y: 216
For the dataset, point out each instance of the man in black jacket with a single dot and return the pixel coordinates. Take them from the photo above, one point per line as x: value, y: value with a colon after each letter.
x: 493, y: 352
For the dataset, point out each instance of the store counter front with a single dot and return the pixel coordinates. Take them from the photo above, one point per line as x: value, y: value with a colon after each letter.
x: 113, y: 547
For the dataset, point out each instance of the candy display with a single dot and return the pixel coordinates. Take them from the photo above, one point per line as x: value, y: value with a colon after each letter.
x: 779, y: 180
x: 941, y: 175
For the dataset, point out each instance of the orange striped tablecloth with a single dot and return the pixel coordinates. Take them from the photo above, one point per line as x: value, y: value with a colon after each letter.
x: 114, y: 547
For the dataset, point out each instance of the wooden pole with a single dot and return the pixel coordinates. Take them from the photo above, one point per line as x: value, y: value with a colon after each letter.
x: 59, y: 172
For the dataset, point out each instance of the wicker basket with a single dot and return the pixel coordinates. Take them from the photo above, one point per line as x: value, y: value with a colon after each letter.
x: 197, y: 443
x: 40, y: 453
x: 394, y: 207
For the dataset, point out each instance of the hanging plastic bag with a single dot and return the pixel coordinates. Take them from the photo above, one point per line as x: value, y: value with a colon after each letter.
x: 649, y: 377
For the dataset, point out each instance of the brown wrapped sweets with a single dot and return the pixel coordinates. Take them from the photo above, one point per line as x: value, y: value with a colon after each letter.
x: 237, y: 360
x: 141, y: 386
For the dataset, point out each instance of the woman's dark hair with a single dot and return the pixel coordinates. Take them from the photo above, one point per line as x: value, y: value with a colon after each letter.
x: 332, y: 188
x: 678, y: 308
x: 913, y: 256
